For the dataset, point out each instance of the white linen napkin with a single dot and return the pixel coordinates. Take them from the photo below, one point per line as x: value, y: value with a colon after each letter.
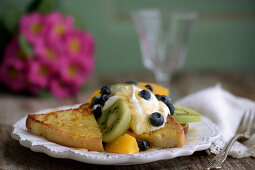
x: 225, y: 110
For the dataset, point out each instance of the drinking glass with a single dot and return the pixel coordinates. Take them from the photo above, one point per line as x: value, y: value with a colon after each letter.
x: 163, y: 40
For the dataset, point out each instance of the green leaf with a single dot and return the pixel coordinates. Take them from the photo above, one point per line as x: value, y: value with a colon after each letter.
x: 44, y: 94
x: 25, y: 46
x: 10, y: 18
x: 33, y: 5
x: 43, y: 6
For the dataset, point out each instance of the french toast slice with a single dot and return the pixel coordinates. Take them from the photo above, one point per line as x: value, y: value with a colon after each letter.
x: 170, y: 136
x: 73, y: 128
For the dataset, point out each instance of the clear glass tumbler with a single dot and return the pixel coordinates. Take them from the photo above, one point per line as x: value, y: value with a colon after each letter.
x: 163, y: 39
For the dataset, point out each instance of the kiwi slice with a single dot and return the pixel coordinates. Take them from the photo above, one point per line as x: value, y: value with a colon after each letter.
x: 114, y: 121
x: 186, y: 115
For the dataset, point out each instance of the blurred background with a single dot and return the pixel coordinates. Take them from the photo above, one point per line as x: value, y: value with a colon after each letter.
x: 220, y: 46
x: 222, y: 37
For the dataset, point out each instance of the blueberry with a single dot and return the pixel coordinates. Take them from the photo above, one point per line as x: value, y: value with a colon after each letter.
x: 156, y: 119
x: 104, y: 98
x: 97, y: 110
x: 150, y: 88
x: 171, y: 108
x: 143, y: 145
x: 96, y: 100
x: 145, y: 94
x: 106, y: 90
x: 165, y: 99
x: 158, y: 97
x: 131, y: 82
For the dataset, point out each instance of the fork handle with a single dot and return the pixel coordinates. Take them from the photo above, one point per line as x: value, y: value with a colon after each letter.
x: 218, y: 160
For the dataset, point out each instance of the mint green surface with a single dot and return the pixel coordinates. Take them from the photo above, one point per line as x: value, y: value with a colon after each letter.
x: 223, y: 41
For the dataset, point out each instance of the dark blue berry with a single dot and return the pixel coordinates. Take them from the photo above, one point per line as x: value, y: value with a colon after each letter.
x: 158, y: 97
x: 97, y: 110
x: 106, y: 90
x: 143, y: 145
x: 104, y: 98
x: 156, y: 119
x: 150, y: 88
x: 165, y: 99
x: 131, y: 82
x: 145, y: 94
x: 171, y: 108
x: 96, y: 100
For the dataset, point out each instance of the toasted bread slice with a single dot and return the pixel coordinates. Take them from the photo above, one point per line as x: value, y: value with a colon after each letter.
x: 74, y: 128
x: 185, y: 127
x: 172, y: 135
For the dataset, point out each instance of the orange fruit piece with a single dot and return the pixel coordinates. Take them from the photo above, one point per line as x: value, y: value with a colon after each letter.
x: 95, y: 93
x: 122, y: 145
x: 157, y: 88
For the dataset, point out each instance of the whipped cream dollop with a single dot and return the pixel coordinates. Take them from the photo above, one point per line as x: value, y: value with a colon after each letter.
x: 140, y: 108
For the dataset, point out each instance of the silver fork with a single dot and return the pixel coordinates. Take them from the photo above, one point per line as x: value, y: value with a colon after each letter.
x: 243, y: 133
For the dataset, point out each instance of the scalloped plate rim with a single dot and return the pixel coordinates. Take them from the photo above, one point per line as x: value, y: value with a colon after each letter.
x: 29, y: 140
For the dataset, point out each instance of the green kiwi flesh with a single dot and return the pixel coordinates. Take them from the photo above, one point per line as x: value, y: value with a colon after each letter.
x: 114, y: 121
x: 186, y: 115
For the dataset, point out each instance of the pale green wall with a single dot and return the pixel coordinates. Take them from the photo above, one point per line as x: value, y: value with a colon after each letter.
x: 225, y: 39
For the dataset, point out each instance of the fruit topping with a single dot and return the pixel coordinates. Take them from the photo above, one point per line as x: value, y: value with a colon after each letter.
x: 143, y: 145
x: 145, y: 94
x: 164, y: 99
x: 97, y: 110
x: 148, y: 86
x: 96, y: 100
x: 124, y: 144
x: 171, y: 108
x: 104, y: 98
x: 114, y: 121
x: 186, y: 115
x: 156, y: 119
x: 131, y: 82
x: 157, y: 88
x: 158, y: 97
x: 106, y: 90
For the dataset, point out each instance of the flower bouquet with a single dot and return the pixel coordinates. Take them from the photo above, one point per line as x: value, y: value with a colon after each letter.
x: 47, y: 53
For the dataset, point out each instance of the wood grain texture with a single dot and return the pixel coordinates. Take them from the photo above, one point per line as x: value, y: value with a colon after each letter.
x: 12, y: 108
x: 15, y: 156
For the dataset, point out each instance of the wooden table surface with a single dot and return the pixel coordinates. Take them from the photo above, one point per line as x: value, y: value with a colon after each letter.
x: 13, y: 107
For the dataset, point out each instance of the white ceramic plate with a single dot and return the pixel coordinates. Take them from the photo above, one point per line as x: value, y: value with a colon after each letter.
x: 199, y: 137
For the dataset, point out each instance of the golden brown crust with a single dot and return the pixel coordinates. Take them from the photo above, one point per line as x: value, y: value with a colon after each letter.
x: 59, y: 132
x: 172, y: 135
x: 185, y: 128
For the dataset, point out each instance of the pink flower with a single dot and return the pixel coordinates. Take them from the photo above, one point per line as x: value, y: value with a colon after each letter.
x: 61, y: 88
x: 76, y: 70
x: 32, y: 27
x: 12, y: 73
x: 38, y: 74
x: 49, y: 53
x: 78, y: 43
x: 13, y: 50
x: 63, y: 57
x: 56, y: 25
